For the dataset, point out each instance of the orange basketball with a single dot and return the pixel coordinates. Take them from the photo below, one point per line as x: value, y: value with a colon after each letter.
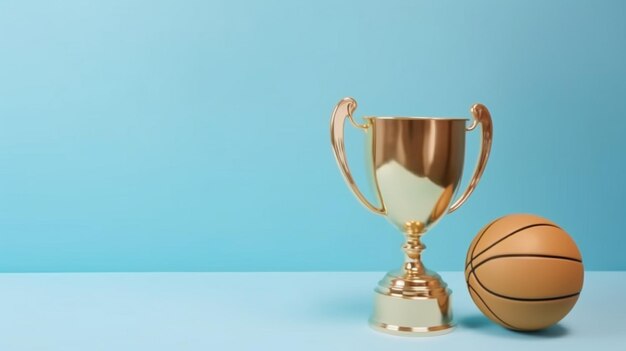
x: 524, y: 272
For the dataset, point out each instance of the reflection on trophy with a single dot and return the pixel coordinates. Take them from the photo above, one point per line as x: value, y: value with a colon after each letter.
x: 414, y: 167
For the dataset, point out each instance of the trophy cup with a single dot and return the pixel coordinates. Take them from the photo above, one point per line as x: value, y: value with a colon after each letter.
x: 414, y: 167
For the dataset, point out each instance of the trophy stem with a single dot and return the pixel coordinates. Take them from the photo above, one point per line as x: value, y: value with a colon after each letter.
x: 412, y: 301
x: 413, y: 248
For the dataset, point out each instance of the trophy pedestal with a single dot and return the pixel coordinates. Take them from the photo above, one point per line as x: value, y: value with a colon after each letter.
x: 412, y: 304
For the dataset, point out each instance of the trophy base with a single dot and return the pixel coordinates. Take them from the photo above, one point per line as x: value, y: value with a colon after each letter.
x: 411, y: 304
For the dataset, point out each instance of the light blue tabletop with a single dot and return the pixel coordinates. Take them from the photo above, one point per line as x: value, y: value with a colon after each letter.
x: 267, y: 311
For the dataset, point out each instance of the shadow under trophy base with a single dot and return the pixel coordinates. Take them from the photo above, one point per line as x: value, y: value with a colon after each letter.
x: 415, y: 166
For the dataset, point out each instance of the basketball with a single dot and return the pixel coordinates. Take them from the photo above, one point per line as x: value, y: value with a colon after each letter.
x: 524, y: 272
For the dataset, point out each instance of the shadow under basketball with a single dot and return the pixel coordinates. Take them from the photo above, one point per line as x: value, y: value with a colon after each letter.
x: 479, y: 322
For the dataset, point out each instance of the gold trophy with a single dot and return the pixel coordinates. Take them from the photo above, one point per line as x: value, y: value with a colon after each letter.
x: 415, y: 166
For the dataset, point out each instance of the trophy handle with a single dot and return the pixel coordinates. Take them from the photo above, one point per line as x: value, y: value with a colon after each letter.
x: 344, y: 109
x: 481, y: 115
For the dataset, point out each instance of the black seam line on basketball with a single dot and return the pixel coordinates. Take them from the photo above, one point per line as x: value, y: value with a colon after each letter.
x: 472, y: 258
x: 471, y: 262
x: 524, y: 255
x: 499, y: 240
x: 508, y: 236
x: 486, y: 305
x: 481, y: 236
x: 489, y: 308
x: 521, y: 298
x: 513, y: 233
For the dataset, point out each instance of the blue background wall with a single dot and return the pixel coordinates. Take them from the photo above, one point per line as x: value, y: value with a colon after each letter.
x: 193, y: 135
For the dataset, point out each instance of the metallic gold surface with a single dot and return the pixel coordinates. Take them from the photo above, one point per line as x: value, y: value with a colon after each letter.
x: 414, y: 166
x: 482, y: 117
x: 344, y: 109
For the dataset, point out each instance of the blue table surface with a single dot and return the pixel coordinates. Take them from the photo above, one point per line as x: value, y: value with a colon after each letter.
x: 267, y: 311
